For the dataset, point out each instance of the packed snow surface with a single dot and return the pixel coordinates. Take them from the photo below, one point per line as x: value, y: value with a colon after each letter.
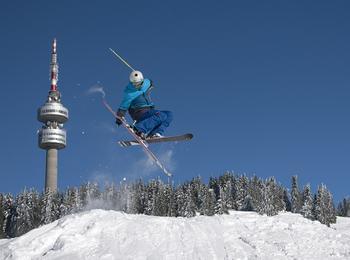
x: 101, y: 234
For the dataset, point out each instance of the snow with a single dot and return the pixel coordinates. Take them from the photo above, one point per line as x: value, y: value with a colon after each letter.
x: 102, y: 234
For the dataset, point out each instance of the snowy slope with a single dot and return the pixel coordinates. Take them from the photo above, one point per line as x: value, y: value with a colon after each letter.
x: 101, y: 234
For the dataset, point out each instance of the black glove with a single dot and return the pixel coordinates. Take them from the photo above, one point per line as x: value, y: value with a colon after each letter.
x: 118, y: 121
x: 120, y: 115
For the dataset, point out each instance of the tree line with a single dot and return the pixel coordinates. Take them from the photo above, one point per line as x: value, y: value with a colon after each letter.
x: 31, y: 209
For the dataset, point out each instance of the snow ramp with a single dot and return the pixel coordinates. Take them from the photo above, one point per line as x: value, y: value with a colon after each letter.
x: 107, y: 235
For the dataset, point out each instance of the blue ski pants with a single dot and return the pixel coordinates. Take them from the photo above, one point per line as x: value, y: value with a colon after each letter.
x: 154, y: 121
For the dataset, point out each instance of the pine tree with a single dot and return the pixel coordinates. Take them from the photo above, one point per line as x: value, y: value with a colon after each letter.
x: 209, y: 202
x: 9, y: 216
x: 266, y: 205
x: 22, y: 218
x: 172, y: 209
x: 138, y: 198
x: 76, y: 200
x: 35, y: 198
x: 161, y: 200
x: 189, y: 208
x: 343, y: 209
x: 241, y: 191
x: 214, y: 185
x: 2, y: 216
x: 306, y: 209
x: 324, y: 208
x: 221, y: 203
x: 296, y: 198
x: 255, y: 191
x: 347, y: 207
x: 47, y: 207
x: 277, y: 195
x: 195, y: 188
x: 151, y: 191
x: 227, y: 182
x: 66, y: 206
x: 287, y: 200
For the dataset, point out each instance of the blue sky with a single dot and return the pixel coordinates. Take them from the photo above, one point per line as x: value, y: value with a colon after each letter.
x: 263, y: 86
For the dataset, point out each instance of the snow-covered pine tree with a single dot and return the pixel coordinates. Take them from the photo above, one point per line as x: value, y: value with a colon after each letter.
x: 241, y: 191
x: 332, y: 214
x: 151, y: 191
x: 296, y: 198
x: 172, y: 208
x: 168, y: 199
x: 324, y: 208
x: 179, y: 200
x: 277, y: 195
x: 188, y: 208
x: 214, y: 185
x: 2, y: 216
x: 287, y: 200
x: 36, y: 206
x: 343, y: 209
x: 66, y: 206
x: 209, y: 202
x: 347, y: 207
x: 124, y: 194
x: 266, y: 205
x: 9, y: 216
x: 196, y: 185
x: 22, y: 216
x: 221, y: 203
x: 161, y: 200
x: 227, y: 182
x: 306, y: 209
x: 255, y: 191
x: 76, y: 198
x: 138, y: 197
x: 47, y: 207
x: 340, y: 209
x: 57, y: 199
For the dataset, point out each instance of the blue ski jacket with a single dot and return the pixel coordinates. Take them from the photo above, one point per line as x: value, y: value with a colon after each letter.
x: 136, y: 101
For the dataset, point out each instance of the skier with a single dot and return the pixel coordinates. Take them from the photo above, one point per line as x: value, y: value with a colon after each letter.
x: 148, y: 122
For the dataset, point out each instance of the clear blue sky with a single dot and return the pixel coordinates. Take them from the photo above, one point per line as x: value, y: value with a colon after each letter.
x: 263, y: 85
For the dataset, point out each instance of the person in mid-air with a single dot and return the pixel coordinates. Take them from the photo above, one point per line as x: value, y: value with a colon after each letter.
x: 148, y: 122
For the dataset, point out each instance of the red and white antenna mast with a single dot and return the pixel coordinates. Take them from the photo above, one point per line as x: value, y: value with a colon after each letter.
x: 54, y: 67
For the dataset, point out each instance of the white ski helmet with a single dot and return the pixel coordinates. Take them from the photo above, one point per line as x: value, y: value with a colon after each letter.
x: 136, y: 77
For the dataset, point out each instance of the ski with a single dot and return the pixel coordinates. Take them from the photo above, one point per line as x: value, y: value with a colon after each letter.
x: 143, y: 143
x: 177, y: 138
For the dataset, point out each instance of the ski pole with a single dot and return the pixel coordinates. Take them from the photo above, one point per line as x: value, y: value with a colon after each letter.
x: 120, y: 58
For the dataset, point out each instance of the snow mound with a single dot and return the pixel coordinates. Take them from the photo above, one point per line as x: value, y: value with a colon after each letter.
x: 102, y: 234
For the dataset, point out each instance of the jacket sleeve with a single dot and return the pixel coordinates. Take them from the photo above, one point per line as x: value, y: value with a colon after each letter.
x: 128, y: 98
x: 147, y: 87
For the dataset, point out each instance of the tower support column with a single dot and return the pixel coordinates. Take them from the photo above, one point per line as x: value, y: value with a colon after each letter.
x: 51, y: 169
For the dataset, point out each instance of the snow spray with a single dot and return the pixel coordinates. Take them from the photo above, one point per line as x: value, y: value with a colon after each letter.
x: 97, y: 89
